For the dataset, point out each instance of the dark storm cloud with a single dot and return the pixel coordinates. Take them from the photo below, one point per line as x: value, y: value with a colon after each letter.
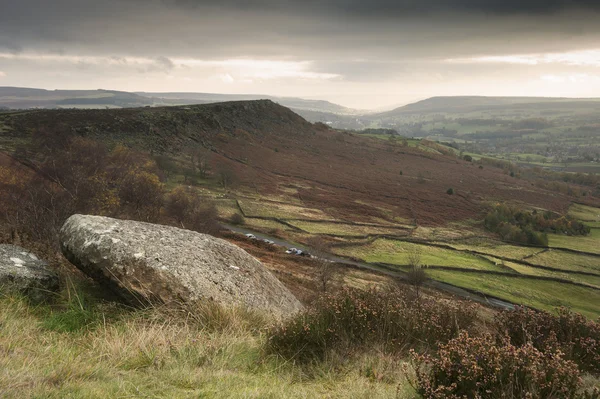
x: 386, y: 8
x: 357, y: 40
x: 215, y: 28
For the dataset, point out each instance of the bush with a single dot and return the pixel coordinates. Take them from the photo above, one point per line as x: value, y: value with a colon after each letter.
x: 450, y: 191
x: 190, y: 212
x: 142, y: 194
x: 571, y: 333
x: 479, y: 367
x: 237, y: 219
x: 352, y: 320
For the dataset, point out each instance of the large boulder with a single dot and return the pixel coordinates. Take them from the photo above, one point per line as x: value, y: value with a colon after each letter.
x: 147, y: 263
x: 22, y: 271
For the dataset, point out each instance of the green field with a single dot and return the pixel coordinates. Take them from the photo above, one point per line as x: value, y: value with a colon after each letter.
x: 589, y: 243
x: 464, y: 237
x: 585, y: 213
x: 567, y: 261
x: 397, y: 253
x: 495, y: 249
x: 345, y: 229
x: 545, y: 295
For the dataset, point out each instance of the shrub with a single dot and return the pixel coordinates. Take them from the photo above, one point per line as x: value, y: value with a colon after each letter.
x: 479, y: 367
x: 190, y: 212
x: 358, y: 320
x: 142, y: 194
x: 571, y: 333
x: 450, y: 191
x: 237, y: 219
x: 468, y: 158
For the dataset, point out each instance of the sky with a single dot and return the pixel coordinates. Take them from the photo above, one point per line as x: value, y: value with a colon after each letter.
x: 372, y: 54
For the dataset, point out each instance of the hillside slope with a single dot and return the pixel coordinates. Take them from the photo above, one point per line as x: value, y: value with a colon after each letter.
x: 276, y: 152
x: 468, y: 104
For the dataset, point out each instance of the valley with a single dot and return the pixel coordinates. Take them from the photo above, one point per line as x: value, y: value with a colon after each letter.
x: 372, y: 200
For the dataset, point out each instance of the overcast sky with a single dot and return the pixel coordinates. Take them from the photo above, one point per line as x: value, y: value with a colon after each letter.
x: 362, y: 54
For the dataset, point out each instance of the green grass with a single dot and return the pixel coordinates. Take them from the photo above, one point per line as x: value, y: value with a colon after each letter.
x: 281, y: 211
x: 150, y: 354
x: 539, y: 294
x: 567, y: 261
x: 265, y: 225
x: 226, y: 208
x: 589, y: 243
x: 585, y: 213
x: 494, y: 249
x: 344, y: 229
x: 566, y: 275
x: 397, y: 253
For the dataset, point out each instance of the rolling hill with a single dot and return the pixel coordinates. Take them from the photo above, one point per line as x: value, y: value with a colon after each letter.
x: 273, y: 149
x: 25, y: 98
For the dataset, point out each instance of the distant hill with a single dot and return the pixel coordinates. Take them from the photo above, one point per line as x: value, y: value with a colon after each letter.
x: 467, y: 104
x: 290, y: 102
x: 271, y: 147
x: 25, y: 98
x: 22, y: 98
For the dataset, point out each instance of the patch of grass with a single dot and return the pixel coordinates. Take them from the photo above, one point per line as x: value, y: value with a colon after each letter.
x: 265, y: 225
x: 397, y: 253
x: 226, y: 208
x: 344, y: 229
x: 566, y: 275
x: 585, y: 213
x: 567, y: 261
x: 146, y: 354
x: 546, y: 295
x: 444, y: 233
x: 496, y: 249
x: 280, y: 211
x: 587, y: 243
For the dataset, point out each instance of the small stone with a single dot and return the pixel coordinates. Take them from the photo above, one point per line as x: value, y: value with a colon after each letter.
x: 25, y: 273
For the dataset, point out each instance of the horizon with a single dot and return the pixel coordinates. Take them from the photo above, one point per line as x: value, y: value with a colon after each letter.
x: 360, y: 55
x: 365, y: 110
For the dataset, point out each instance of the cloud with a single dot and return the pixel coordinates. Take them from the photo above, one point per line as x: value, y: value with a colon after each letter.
x: 396, y: 7
x: 351, y: 48
x: 573, y: 58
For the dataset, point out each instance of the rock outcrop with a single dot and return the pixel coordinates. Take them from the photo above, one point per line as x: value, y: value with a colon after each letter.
x: 22, y: 271
x: 145, y: 262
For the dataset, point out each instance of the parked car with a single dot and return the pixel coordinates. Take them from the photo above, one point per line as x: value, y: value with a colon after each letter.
x: 268, y: 241
x: 251, y: 236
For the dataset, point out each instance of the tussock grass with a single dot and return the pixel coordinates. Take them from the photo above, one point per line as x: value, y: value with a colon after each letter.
x: 93, y: 349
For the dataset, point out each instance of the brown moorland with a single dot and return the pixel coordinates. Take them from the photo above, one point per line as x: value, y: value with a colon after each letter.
x: 271, y: 149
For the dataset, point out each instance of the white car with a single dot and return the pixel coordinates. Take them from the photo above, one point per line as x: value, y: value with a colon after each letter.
x: 268, y: 241
x: 251, y: 236
x: 291, y: 251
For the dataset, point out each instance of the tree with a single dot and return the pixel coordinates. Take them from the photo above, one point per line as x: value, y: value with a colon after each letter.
x: 416, y: 275
x: 326, y: 270
x: 226, y: 176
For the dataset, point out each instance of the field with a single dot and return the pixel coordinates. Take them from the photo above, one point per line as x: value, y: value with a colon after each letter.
x: 586, y: 244
x: 538, y: 294
x: 464, y: 255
